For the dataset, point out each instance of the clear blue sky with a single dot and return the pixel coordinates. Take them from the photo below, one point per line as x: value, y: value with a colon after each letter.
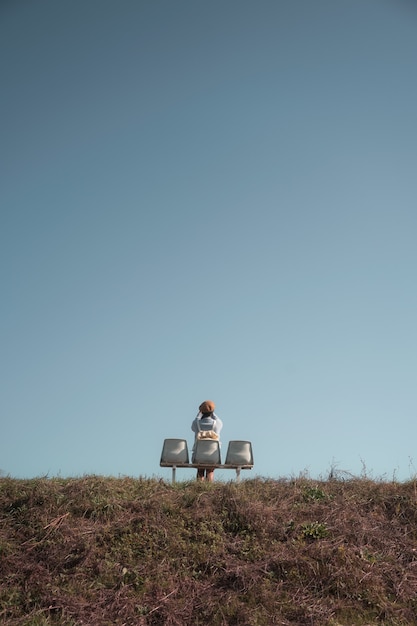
x: 208, y: 200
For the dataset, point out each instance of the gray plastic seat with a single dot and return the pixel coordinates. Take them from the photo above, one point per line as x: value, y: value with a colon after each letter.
x: 174, y: 452
x: 239, y: 453
x: 206, y: 452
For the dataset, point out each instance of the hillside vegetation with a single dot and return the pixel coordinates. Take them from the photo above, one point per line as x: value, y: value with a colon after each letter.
x: 143, y: 552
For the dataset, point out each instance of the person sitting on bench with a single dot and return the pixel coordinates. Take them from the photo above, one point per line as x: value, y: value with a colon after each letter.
x: 206, y: 422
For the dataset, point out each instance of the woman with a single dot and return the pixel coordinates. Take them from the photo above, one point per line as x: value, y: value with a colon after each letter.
x: 206, y: 420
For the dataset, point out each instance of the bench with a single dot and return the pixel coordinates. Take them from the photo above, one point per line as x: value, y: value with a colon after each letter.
x: 206, y: 454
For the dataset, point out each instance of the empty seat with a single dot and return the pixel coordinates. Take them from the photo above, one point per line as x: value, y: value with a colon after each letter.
x: 174, y: 452
x: 206, y: 452
x: 239, y: 453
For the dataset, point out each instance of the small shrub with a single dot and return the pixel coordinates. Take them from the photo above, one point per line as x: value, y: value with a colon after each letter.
x: 313, y: 493
x: 314, y: 530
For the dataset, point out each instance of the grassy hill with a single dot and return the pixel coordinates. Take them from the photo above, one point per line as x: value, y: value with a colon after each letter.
x: 104, y: 551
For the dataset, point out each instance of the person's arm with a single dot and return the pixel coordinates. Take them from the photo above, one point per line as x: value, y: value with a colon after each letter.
x: 218, y: 425
x: 194, y: 425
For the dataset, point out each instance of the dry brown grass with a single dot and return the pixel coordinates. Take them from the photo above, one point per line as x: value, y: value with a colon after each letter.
x: 100, y: 551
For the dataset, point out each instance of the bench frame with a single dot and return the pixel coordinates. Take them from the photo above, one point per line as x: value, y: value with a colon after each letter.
x: 174, y: 466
